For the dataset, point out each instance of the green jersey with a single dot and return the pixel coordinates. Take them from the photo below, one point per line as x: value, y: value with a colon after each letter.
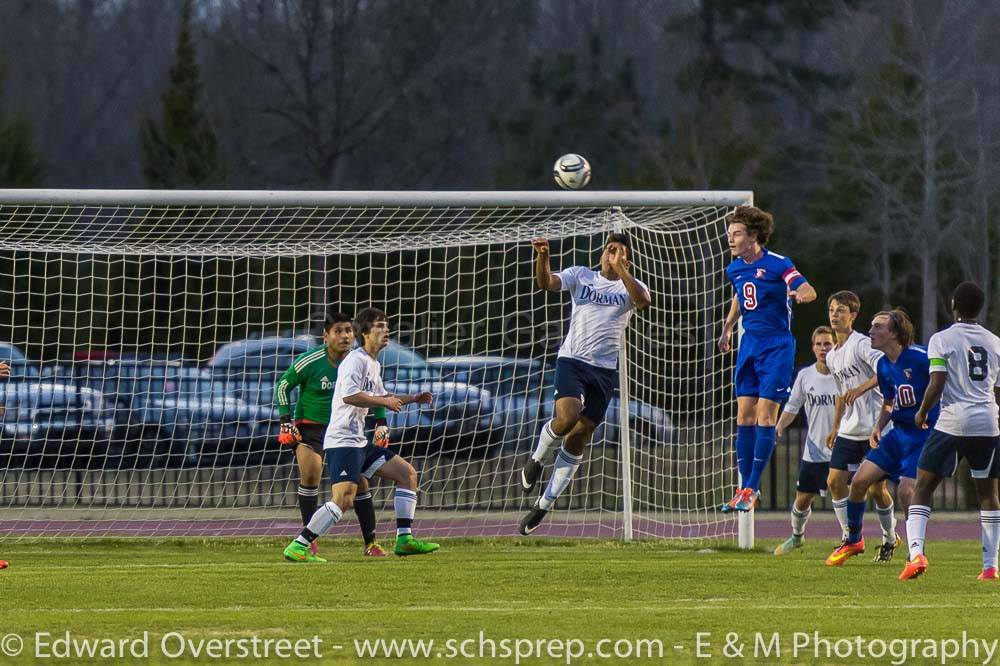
x: 316, y: 376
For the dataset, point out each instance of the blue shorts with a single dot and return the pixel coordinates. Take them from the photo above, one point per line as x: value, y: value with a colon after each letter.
x: 899, y: 451
x: 764, y: 366
x: 592, y: 385
x: 349, y: 463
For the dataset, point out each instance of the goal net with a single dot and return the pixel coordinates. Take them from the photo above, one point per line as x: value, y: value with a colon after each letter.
x: 145, y: 331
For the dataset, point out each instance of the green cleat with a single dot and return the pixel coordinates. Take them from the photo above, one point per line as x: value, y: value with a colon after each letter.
x: 407, y: 545
x: 296, y: 552
x: 792, y: 543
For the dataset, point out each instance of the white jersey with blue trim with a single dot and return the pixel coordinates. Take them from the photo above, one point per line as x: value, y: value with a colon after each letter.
x: 817, y: 393
x: 358, y: 373
x: 601, y: 311
x: 853, y: 364
x: 971, y: 356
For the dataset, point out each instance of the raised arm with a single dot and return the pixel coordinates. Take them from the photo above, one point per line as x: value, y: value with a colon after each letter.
x: 544, y: 276
x: 804, y: 293
x: 640, y: 297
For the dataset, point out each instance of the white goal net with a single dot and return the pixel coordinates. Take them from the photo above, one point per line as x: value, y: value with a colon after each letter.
x: 145, y: 332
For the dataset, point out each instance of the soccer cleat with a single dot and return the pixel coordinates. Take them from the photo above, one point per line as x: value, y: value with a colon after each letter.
x: 530, y: 474
x: 407, y: 545
x: 531, y: 520
x: 914, y: 568
x: 296, y: 552
x: 989, y: 573
x: 792, y: 543
x: 845, y: 552
x: 746, y: 503
x: 374, y: 550
x: 886, y: 550
x: 731, y: 504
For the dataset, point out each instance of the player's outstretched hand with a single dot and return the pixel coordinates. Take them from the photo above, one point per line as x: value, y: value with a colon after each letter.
x: 541, y: 246
x: 920, y: 418
x: 393, y: 404
x: 423, y: 398
x: 4, y: 369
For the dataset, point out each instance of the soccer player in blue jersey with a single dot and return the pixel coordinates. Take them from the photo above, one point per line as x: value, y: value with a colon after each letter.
x: 903, y: 375
x: 766, y: 284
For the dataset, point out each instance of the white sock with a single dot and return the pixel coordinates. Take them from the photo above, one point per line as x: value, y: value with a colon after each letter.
x: 406, y: 505
x: 840, y: 510
x: 916, y: 528
x: 325, y: 517
x: 990, y: 521
x: 562, y: 473
x: 887, y: 519
x: 546, y: 440
x: 799, y: 520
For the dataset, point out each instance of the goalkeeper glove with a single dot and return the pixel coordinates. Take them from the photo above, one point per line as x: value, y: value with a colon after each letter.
x: 288, y: 434
x: 381, y: 437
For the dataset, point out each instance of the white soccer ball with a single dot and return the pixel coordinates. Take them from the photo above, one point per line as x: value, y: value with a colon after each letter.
x: 571, y: 172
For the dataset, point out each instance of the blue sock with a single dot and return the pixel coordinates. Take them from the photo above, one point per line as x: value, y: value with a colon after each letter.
x: 745, y: 436
x: 762, y: 449
x: 855, y: 519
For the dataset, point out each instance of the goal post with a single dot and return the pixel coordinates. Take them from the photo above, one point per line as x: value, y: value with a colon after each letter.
x: 146, y: 329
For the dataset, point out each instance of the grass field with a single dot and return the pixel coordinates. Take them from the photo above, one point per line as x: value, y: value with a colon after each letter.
x: 557, y: 591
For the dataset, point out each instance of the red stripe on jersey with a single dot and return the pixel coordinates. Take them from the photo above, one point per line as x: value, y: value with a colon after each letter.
x: 790, y: 275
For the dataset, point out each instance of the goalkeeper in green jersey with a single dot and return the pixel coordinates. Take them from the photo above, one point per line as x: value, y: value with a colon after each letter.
x: 315, y: 373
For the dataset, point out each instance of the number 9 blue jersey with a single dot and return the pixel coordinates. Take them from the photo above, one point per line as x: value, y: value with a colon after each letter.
x: 762, y: 291
x: 904, y: 383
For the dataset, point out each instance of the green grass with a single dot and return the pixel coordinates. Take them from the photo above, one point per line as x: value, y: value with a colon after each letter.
x: 509, y: 589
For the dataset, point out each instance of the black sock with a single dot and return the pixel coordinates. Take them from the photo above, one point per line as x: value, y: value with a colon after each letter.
x: 308, y: 535
x: 364, y: 509
x: 307, y: 502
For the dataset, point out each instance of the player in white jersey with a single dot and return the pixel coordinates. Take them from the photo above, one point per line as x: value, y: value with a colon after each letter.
x: 965, y: 374
x: 587, y: 365
x: 349, y: 455
x: 814, y: 389
x: 852, y: 363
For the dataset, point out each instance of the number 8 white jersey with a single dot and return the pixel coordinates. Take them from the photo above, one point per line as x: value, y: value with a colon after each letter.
x: 971, y: 356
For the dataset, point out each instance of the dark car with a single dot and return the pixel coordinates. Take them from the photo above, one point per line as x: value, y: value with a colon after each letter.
x: 20, y: 366
x: 457, y: 421
x: 46, y: 424
x: 172, y: 413
x: 524, y: 398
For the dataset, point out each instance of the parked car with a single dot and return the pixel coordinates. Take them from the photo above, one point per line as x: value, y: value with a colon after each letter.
x: 173, y: 413
x: 46, y: 424
x: 524, y: 397
x: 456, y: 422
x: 20, y: 366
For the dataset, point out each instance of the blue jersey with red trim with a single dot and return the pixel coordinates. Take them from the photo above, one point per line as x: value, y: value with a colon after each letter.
x: 762, y: 290
x: 904, y: 383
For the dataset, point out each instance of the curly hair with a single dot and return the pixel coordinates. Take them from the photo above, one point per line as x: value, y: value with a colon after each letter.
x: 759, y: 224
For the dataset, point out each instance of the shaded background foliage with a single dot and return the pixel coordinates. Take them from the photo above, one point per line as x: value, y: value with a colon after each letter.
x: 867, y: 126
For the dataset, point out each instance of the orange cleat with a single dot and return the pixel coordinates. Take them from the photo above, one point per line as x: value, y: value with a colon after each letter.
x: 914, y: 568
x: 374, y: 550
x: 845, y: 552
x: 731, y: 504
x: 989, y: 573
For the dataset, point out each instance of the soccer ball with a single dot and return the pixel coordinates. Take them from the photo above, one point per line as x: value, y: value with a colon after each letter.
x: 571, y: 172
